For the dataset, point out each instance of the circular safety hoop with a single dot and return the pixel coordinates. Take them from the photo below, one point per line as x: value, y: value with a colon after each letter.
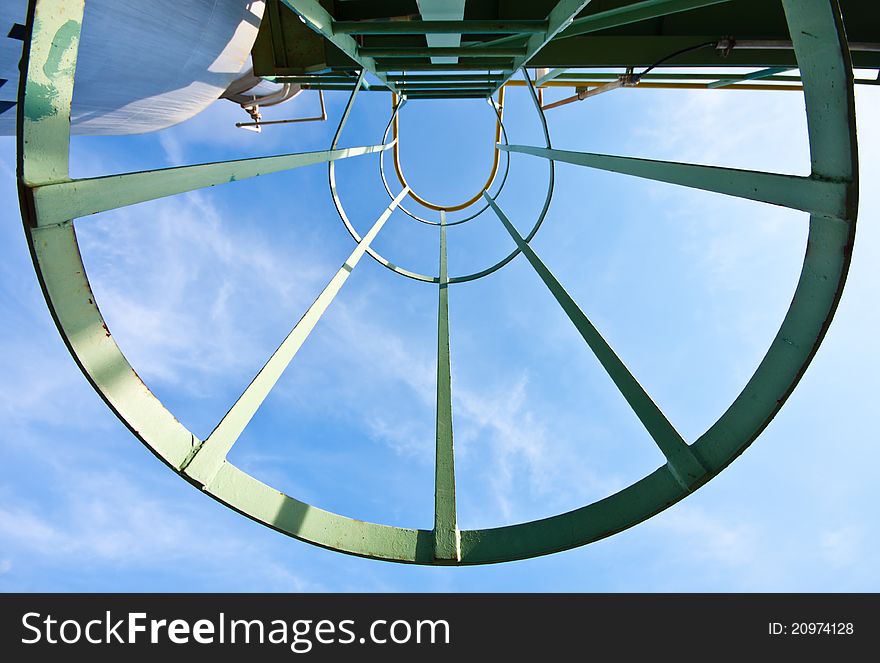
x: 51, y: 202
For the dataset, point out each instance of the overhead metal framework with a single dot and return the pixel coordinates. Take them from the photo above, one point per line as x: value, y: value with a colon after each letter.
x: 412, y: 57
x: 53, y: 205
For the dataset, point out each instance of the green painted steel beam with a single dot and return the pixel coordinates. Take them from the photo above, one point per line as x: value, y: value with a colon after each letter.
x: 340, y: 87
x: 639, y: 11
x: 756, y: 75
x: 826, y: 66
x: 500, y: 41
x: 577, y: 77
x: 444, y: 85
x: 436, y: 27
x: 448, y: 95
x: 486, y: 64
x: 550, y: 75
x: 324, y: 78
x: 442, y: 10
x: 430, y: 78
x: 809, y: 194
x: 447, y: 541
x: 204, y: 462
x: 62, y: 201
x: 319, y: 20
x: 684, y: 466
x: 441, y: 51
x: 46, y: 109
x: 559, y: 18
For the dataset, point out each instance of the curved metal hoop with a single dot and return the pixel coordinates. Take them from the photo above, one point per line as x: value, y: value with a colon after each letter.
x: 51, y: 200
x: 448, y: 224
x: 337, y: 202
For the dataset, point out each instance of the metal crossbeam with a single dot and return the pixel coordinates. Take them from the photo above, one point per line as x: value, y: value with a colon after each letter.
x: 319, y: 20
x: 754, y: 76
x: 444, y: 10
x: 438, y: 51
x: 550, y: 75
x: 558, y: 19
x: 809, y: 194
x: 59, y: 202
x: 437, y: 27
x: 484, y: 64
x: 406, y: 87
x: 430, y: 78
x: 640, y: 11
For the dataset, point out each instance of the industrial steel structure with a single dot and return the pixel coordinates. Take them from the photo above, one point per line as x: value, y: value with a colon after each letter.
x: 429, y: 50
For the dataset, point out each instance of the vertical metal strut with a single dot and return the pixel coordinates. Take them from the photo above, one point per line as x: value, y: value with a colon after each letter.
x: 447, y: 540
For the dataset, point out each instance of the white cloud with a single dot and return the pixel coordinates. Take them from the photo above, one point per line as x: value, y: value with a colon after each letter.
x: 176, y: 280
x: 841, y: 546
x: 108, y: 518
x: 709, y: 538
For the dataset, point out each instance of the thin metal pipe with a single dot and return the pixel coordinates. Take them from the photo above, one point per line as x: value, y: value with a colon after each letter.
x: 320, y: 118
x: 583, y: 94
x: 665, y: 86
x: 784, y: 45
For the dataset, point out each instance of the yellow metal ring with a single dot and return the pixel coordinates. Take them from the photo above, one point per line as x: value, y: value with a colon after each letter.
x: 495, y: 161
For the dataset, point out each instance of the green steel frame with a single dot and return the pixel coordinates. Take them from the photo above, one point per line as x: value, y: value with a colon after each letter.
x: 51, y: 203
x: 417, y: 58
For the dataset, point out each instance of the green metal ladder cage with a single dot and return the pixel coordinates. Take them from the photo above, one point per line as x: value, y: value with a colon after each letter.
x: 52, y: 204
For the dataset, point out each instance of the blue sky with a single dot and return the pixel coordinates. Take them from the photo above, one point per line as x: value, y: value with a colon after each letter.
x: 688, y: 287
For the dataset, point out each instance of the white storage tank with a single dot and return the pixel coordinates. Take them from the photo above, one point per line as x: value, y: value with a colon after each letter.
x: 143, y: 65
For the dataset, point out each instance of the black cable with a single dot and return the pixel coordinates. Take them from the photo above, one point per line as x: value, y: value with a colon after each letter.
x: 706, y: 44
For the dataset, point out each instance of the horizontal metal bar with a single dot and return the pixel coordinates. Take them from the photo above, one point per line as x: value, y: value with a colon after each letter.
x: 441, y: 51
x: 444, y: 85
x: 396, y: 65
x: 416, y: 93
x: 436, y: 27
x: 56, y: 203
x: 549, y: 76
x: 500, y: 41
x: 640, y: 11
x: 809, y: 194
x: 447, y: 95
x: 670, y: 86
x: 335, y: 87
x: 606, y: 76
x: 315, y: 79
x: 786, y: 45
x: 559, y: 18
x: 319, y: 20
x: 429, y: 78
x: 755, y: 75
